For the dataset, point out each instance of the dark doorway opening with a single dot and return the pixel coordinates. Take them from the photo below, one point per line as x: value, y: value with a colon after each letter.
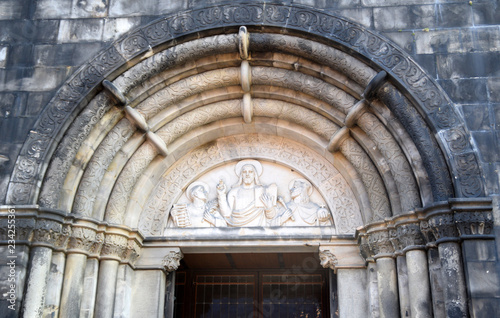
x: 252, y: 285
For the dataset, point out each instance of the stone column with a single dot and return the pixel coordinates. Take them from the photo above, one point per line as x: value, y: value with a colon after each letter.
x: 418, y: 281
x: 402, y: 271
x: 56, y: 276
x: 114, y: 250
x: 371, y: 272
x: 435, y: 275
x: 412, y: 242
x: 350, y: 268
x: 169, y: 297
x: 14, y: 258
x: 49, y: 233
x: 171, y: 262
x: 85, y: 240
x: 476, y: 226
x: 106, y: 287
x: 442, y: 223
x: 40, y: 258
x: 383, y: 251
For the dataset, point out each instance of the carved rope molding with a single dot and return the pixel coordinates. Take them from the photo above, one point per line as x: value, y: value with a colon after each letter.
x: 66, y: 233
x: 428, y: 96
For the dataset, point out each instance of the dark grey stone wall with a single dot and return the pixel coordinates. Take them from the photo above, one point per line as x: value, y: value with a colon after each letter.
x: 42, y: 42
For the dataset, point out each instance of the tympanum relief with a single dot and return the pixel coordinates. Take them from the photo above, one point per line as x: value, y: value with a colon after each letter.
x: 248, y: 193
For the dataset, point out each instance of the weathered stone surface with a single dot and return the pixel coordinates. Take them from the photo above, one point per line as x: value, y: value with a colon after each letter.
x: 53, y: 9
x: 131, y: 8
x: 149, y: 304
x: 353, y: 298
x: 80, y: 30
x: 468, y: 65
x: 483, y: 279
x: 466, y: 91
x: 487, y: 143
x: 485, y: 13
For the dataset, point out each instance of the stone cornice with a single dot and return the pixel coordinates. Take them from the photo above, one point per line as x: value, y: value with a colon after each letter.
x: 68, y: 233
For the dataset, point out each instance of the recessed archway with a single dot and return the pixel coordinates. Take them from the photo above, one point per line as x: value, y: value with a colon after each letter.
x: 299, y: 88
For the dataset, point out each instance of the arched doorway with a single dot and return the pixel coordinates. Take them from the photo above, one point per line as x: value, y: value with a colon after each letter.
x: 308, y: 96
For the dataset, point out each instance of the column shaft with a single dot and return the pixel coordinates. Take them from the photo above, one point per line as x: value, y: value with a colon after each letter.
x: 418, y: 279
x: 106, y: 287
x: 404, y: 294
x: 73, y: 285
x: 56, y: 276
x: 374, y: 306
x: 387, y: 287
x: 455, y: 295
x: 37, y: 281
x: 353, y: 295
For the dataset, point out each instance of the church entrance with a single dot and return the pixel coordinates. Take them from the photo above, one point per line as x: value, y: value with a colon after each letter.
x: 252, y: 285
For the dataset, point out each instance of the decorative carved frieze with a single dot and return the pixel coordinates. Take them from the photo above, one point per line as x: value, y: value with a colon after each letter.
x: 172, y: 260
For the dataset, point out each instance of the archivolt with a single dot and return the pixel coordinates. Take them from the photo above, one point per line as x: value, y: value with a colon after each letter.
x: 191, y: 95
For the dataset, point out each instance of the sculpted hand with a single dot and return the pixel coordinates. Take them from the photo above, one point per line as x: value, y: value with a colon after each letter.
x: 267, y: 200
x: 323, y: 214
x: 221, y: 187
x: 209, y: 217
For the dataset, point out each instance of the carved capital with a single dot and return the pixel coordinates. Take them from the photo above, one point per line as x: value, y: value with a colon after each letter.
x: 443, y: 227
x: 172, y: 260
x: 133, y: 251
x: 410, y: 236
x: 380, y: 243
x: 327, y: 259
x: 427, y: 233
x: 474, y: 223
x: 22, y: 232
x: 114, y: 246
x: 364, y: 247
x: 51, y: 233
x: 82, y: 240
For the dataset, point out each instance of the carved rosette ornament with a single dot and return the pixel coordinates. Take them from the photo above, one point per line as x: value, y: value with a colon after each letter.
x: 172, y: 261
x: 327, y: 259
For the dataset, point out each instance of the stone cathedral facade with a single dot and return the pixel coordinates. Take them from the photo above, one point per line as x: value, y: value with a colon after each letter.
x: 314, y: 158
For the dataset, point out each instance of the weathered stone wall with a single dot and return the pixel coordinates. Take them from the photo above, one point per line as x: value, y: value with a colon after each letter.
x: 43, y: 42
